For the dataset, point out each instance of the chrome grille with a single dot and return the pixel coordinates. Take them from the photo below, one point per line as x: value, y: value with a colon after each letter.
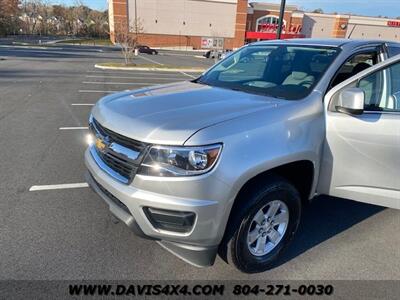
x: 120, y: 139
x: 120, y: 157
x: 122, y: 167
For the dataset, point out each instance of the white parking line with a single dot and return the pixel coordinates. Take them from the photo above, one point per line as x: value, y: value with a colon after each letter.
x: 135, y: 77
x: 184, y: 55
x: 73, y: 128
x: 58, y: 186
x: 82, y: 104
x: 117, y: 83
x: 127, y: 72
x: 151, y: 60
x: 97, y: 91
x: 188, y: 74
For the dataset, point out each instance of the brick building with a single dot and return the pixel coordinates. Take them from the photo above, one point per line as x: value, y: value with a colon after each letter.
x: 263, y: 17
x: 202, y: 24
x: 182, y: 23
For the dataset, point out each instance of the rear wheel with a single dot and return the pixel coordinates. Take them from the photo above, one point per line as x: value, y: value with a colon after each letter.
x: 262, y: 225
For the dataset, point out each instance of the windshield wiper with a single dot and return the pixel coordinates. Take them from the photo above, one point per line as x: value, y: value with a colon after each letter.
x: 199, y: 81
x: 249, y: 91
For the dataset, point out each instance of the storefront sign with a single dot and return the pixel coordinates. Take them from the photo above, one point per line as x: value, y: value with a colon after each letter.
x: 293, y: 29
x: 393, y: 23
x: 212, y: 43
x: 256, y: 35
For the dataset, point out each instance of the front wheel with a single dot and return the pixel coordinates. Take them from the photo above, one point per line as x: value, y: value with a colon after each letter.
x: 263, y: 225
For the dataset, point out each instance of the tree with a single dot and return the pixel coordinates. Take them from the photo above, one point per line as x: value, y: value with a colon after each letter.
x: 34, y: 13
x: 8, y: 7
x: 97, y: 23
x: 40, y: 17
x: 45, y: 17
x: 59, y: 16
x: 8, y: 16
x: 318, y: 11
x: 79, y: 13
x: 127, y: 38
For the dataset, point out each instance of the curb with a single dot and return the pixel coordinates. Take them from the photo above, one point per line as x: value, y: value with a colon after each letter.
x: 149, y: 69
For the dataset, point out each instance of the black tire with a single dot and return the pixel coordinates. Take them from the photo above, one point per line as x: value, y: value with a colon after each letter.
x: 234, y: 248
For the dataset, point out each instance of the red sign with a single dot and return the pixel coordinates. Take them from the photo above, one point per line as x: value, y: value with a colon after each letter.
x: 393, y: 23
x: 254, y: 35
x: 294, y: 29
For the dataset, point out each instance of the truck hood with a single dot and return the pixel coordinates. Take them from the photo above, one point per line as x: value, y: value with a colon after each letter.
x: 170, y: 114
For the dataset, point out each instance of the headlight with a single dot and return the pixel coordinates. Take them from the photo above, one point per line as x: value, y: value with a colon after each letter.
x: 179, y: 161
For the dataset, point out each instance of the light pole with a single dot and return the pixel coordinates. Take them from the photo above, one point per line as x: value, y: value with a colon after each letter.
x: 281, y: 15
x: 136, y: 20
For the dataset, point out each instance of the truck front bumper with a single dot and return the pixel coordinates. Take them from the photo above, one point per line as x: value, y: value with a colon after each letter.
x: 128, y: 203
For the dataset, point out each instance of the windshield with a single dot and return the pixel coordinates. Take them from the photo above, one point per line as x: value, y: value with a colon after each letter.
x: 280, y: 71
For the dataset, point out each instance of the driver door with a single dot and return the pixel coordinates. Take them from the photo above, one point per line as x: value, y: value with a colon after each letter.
x: 361, y: 154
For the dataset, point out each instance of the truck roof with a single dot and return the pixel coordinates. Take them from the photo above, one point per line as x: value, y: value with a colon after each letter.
x: 325, y: 42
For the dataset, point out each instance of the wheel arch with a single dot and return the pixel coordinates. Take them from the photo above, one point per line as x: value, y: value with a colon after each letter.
x: 299, y: 173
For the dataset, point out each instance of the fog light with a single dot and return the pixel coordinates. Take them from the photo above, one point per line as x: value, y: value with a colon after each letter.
x: 89, y: 139
x: 171, y: 220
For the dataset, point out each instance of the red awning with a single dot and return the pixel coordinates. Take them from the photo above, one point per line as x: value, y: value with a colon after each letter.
x: 255, y: 35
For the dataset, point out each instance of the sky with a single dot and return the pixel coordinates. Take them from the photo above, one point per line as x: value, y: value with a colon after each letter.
x: 95, y: 4
x: 389, y: 8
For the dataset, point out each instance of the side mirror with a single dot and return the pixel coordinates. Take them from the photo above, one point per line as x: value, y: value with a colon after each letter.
x: 351, y: 101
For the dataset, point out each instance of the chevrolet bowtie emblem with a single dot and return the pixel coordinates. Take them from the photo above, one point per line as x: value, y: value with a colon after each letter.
x: 100, y: 145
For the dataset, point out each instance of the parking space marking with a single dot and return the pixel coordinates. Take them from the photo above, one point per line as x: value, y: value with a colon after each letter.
x: 187, y: 74
x: 134, y: 72
x: 73, y: 128
x: 184, y: 55
x: 105, y: 72
x: 117, y: 83
x: 97, y: 91
x: 58, y: 186
x: 151, y: 60
x: 136, y: 77
x: 82, y: 104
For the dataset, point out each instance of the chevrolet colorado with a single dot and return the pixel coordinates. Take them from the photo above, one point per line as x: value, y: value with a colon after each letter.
x: 224, y: 163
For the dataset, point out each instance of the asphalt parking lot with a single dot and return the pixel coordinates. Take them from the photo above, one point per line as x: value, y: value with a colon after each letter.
x: 66, y: 233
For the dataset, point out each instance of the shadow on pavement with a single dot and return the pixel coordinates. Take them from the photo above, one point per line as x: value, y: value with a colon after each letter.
x: 324, y: 218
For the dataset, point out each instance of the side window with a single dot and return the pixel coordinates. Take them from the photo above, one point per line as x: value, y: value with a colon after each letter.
x: 393, y: 50
x: 354, y: 65
x: 372, y: 86
x: 382, y: 89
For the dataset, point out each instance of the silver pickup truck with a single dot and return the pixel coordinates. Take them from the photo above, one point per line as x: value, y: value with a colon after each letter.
x: 225, y: 163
